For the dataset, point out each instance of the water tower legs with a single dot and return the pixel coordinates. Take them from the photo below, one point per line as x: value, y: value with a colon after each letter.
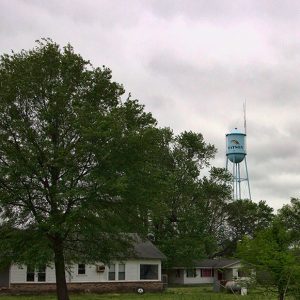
x: 239, y: 176
x: 247, y: 178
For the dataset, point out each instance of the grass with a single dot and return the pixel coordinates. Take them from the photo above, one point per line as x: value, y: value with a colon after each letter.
x: 172, y: 293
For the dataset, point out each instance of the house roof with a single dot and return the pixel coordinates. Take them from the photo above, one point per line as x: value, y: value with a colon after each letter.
x: 212, y: 263
x: 216, y: 263
x: 145, y: 249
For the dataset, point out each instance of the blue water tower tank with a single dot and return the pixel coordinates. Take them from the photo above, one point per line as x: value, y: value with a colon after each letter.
x: 236, y: 146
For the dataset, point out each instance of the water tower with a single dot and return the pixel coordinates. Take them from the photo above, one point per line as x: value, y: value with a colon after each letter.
x: 235, y: 156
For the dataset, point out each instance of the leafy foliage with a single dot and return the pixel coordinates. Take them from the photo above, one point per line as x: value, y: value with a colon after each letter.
x: 75, y: 159
x: 290, y: 216
x: 185, y: 228
x: 271, y: 255
x: 243, y: 218
x: 81, y: 166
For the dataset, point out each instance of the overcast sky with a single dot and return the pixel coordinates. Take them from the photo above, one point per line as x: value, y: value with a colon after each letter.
x: 193, y: 64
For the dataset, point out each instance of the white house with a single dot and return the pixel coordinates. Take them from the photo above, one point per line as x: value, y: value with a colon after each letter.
x: 207, y: 271
x: 142, y: 270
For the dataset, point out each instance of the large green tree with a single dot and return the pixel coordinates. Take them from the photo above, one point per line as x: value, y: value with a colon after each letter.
x: 75, y: 160
x: 242, y: 218
x: 192, y: 204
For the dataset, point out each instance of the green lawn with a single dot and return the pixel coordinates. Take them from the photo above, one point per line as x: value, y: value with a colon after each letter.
x: 173, y: 293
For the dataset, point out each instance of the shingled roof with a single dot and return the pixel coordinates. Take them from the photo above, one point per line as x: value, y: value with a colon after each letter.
x: 216, y: 263
x: 145, y: 249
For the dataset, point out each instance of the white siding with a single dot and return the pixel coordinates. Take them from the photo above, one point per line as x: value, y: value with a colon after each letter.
x: 18, y: 274
x: 231, y: 272
x: 198, y: 279
x: 90, y: 275
x: 50, y: 274
x: 132, y: 272
x: 132, y: 269
x: 235, y: 273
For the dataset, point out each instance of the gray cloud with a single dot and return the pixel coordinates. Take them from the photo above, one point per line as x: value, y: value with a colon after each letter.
x: 193, y: 64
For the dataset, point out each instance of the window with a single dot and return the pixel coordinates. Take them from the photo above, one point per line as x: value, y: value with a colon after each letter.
x: 148, y: 271
x: 121, y: 275
x: 244, y: 273
x: 41, y: 274
x: 191, y: 273
x: 33, y: 273
x: 206, y: 273
x: 30, y: 273
x: 112, y: 272
x: 81, y: 269
x: 177, y: 274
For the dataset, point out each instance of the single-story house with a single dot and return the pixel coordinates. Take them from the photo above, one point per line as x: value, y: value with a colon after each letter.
x: 214, y: 271
x: 142, y: 270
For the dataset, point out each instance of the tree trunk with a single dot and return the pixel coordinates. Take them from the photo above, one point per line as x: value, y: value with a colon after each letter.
x: 281, y: 296
x: 59, y: 260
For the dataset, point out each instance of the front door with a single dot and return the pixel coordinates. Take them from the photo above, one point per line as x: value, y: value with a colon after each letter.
x: 220, y: 275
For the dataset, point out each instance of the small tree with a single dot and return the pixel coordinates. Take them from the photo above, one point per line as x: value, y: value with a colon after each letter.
x: 271, y: 255
x: 70, y: 155
x: 289, y: 214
